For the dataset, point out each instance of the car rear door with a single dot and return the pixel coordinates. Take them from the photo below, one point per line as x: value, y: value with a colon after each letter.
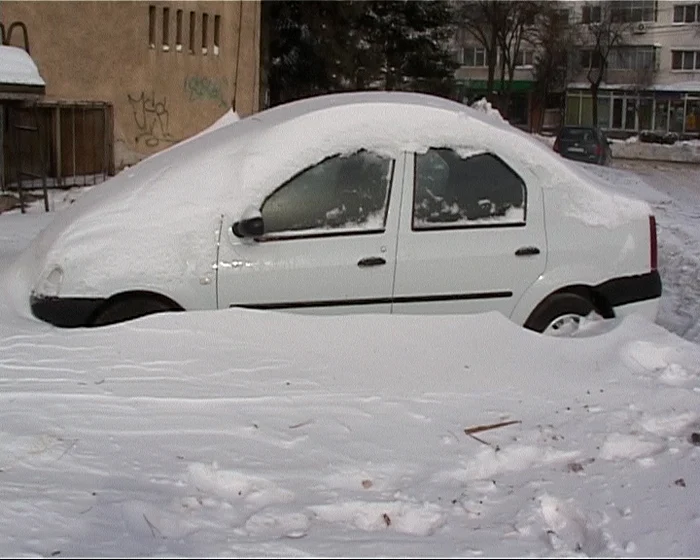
x: 329, y: 244
x: 471, y: 235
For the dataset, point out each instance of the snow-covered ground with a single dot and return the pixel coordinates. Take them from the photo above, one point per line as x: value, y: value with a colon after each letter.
x: 242, y: 433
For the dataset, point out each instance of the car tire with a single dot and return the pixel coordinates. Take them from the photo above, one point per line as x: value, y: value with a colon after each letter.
x: 552, y: 314
x: 131, y: 307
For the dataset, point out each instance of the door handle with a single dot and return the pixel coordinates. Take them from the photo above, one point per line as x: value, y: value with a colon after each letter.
x: 526, y: 251
x: 370, y: 261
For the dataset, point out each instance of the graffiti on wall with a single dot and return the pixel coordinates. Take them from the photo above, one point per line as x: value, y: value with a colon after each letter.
x: 201, y: 87
x: 152, y: 119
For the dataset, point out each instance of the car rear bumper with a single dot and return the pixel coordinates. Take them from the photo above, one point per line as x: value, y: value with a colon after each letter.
x: 65, y: 312
x: 633, y: 294
x: 631, y: 289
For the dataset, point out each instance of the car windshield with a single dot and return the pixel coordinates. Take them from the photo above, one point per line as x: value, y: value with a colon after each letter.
x: 578, y: 134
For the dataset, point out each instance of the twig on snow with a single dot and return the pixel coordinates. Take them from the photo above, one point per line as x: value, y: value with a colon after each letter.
x: 153, y: 528
x: 484, y: 427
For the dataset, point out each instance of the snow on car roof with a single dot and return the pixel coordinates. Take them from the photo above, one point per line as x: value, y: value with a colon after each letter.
x: 17, y: 67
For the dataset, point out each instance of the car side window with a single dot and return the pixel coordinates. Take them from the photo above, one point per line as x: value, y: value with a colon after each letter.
x: 341, y: 193
x: 473, y: 191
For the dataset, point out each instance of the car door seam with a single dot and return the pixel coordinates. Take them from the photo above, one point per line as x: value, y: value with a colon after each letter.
x: 398, y: 232
x: 216, y: 263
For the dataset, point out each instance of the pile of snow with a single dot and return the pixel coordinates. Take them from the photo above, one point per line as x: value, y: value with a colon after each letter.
x: 486, y: 107
x: 241, y: 433
x: 18, y: 68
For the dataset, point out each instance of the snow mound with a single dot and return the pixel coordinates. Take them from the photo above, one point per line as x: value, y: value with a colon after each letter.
x: 486, y: 107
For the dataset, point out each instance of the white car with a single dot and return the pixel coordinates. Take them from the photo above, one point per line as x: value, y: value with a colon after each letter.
x: 367, y: 202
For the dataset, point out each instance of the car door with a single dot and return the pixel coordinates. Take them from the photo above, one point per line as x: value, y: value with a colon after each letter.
x: 472, y: 236
x: 329, y: 241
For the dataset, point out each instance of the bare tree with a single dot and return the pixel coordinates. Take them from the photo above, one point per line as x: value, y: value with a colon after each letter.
x: 602, y: 37
x: 516, y: 27
x: 483, y: 20
x: 555, y: 40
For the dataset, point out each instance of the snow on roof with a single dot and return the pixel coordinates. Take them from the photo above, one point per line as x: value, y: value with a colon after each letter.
x: 17, y: 67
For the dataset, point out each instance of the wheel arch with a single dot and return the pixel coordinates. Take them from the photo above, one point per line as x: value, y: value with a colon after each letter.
x: 599, y: 302
x: 161, y: 299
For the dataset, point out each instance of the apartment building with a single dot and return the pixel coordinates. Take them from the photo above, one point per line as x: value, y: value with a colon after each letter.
x: 653, y: 77
x: 164, y: 70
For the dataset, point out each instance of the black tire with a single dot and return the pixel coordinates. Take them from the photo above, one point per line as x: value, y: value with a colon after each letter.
x: 557, y: 305
x: 131, y: 307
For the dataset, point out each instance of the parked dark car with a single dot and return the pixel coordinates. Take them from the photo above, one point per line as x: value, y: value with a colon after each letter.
x: 583, y: 143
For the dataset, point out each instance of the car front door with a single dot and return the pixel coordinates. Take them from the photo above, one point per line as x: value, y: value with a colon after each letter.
x: 472, y: 236
x: 329, y: 241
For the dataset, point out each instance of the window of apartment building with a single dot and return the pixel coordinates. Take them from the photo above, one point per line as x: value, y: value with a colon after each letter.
x: 217, y: 34
x: 475, y: 56
x: 152, y: 27
x: 632, y: 58
x: 526, y: 57
x: 633, y: 10
x: 178, y: 30
x: 685, y: 60
x: 686, y: 13
x: 589, y: 59
x: 205, y: 33
x: 193, y: 23
x: 166, y: 29
x: 591, y: 14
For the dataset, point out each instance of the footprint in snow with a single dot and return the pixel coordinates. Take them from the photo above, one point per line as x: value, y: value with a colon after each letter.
x: 233, y: 486
x: 569, y: 529
x: 404, y: 517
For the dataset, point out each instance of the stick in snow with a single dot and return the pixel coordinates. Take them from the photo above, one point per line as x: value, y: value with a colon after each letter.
x: 484, y: 427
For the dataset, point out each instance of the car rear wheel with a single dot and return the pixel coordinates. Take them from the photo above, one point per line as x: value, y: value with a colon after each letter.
x: 560, y: 314
x: 131, y: 307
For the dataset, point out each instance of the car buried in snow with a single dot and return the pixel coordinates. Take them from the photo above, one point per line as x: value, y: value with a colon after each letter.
x: 376, y: 202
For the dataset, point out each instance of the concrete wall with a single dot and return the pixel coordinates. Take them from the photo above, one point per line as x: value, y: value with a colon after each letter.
x: 161, y: 94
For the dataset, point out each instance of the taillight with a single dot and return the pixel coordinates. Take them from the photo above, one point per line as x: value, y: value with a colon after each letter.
x: 598, y: 150
x: 556, y: 145
x: 653, y: 247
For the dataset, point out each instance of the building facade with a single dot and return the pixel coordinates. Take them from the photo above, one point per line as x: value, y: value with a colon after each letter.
x: 166, y: 69
x: 653, y: 77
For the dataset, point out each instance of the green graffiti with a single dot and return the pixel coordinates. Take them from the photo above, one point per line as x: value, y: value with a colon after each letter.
x: 208, y: 89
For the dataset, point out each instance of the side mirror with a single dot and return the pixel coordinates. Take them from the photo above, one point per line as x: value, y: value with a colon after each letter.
x: 250, y: 225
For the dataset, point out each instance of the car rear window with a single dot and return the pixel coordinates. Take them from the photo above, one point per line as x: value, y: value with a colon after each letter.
x: 580, y: 134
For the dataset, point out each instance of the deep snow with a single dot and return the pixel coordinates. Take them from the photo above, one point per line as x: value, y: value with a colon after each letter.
x: 243, y: 433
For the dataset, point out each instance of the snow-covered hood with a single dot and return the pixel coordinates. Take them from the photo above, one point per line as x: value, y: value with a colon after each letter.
x: 158, y: 221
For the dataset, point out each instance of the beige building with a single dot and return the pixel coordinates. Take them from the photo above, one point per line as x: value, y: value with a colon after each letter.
x: 653, y: 78
x: 165, y: 70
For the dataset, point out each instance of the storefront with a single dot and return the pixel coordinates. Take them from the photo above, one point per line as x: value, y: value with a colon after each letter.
x: 630, y: 112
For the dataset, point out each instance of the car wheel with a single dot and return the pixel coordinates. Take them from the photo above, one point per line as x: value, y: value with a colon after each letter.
x: 131, y: 307
x: 560, y: 314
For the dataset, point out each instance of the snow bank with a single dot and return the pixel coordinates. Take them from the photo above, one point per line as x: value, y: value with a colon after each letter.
x: 241, y: 433
x: 17, y: 67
